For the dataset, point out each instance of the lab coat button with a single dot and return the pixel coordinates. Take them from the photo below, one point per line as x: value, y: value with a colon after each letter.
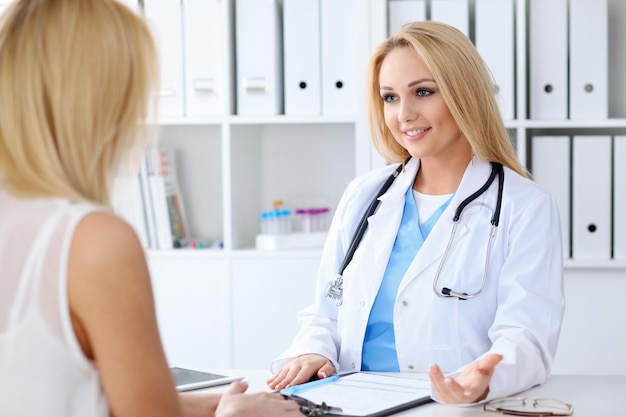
x: 353, y: 365
x: 405, y: 303
x: 411, y: 367
x: 362, y: 303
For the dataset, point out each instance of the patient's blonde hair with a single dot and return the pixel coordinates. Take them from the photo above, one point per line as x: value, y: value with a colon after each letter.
x: 75, y: 84
x: 464, y: 81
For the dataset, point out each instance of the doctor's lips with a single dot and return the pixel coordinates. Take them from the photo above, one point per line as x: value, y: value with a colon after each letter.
x: 415, y: 132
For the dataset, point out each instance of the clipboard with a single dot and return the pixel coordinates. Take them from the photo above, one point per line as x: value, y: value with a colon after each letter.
x: 361, y: 394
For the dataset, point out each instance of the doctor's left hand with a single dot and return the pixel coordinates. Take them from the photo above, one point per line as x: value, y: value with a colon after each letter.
x: 470, y: 386
x: 301, y: 370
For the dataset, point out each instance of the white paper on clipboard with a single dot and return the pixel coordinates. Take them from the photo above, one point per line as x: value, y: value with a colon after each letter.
x: 365, y: 394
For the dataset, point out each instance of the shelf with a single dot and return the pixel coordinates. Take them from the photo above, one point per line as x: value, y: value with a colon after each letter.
x: 572, y: 124
x: 220, y: 254
x: 192, y: 121
x: 278, y: 254
x: 596, y: 264
x: 254, y: 120
x: 182, y: 254
x: 290, y: 120
x: 566, y: 124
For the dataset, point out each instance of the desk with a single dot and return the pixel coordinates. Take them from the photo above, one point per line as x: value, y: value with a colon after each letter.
x: 592, y: 396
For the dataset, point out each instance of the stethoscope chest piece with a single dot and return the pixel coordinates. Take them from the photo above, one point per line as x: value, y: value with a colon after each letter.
x: 334, y: 290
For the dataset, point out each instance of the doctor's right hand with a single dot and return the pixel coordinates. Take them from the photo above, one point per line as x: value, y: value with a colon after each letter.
x: 301, y: 370
x: 234, y: 403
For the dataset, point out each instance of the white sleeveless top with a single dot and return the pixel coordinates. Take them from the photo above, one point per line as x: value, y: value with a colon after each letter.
x: 43, y: 371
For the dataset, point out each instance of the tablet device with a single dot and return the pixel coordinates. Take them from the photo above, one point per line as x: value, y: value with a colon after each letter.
x: 190, y: 379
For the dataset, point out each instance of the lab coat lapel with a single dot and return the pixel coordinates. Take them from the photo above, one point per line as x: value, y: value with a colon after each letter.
x: 383, y: 225
x: 434, y: 246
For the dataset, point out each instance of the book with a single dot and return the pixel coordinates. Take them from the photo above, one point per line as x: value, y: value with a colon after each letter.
x: 170, y: 221
x: 128, y: 203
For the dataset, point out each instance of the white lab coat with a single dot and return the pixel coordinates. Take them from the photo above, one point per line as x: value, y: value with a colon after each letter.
x: 518, y: 314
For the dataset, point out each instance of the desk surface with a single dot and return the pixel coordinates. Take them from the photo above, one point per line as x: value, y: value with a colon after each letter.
x: 591, y: 395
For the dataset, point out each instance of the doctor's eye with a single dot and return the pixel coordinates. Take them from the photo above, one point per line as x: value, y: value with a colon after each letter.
x: 389, y: 98
x: 424, y: 92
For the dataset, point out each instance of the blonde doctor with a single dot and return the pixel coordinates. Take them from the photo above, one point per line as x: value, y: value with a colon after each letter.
x: 458, y: 271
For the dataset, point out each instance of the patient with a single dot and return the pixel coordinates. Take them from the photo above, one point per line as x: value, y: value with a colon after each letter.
x: 78, y: 332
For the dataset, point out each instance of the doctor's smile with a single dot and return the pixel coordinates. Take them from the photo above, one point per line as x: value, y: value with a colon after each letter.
x: 413, y: 133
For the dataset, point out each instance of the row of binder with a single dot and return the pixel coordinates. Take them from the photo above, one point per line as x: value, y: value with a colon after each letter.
x: 568, y: 57
x: 191, y: 43
x: 296, y: 57
x: 558, y: 30
x: 151, y: 201
x: 587, y: 177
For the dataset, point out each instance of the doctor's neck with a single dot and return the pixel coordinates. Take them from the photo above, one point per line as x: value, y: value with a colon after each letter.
x: 438, y: 176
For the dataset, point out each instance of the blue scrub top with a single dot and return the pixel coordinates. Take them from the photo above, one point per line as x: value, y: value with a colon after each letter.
x: 379, y: 346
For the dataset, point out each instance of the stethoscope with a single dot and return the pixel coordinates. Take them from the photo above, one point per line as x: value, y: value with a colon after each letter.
x: 334, y: 289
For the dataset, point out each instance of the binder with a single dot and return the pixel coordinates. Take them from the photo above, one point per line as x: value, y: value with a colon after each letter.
x: 338, y: 32
x: 132, y: 4
x: 204, y: 45
x: 547, y: 44
x: 452, y: 12
x: 551, y: 168
x: 588, y: 83
x: 258, y: 37
x: 591, y: 197
x: 619, y: 198
x: 166, y: 16
x: 360, y: 394
x: 401, y: 12
x: 495, y: 40
x: 301, y: 46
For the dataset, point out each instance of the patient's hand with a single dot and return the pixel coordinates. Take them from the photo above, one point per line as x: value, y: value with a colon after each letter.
x: 234, y: 403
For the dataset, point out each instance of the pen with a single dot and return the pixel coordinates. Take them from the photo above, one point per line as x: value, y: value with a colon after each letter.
x: 309, y: 385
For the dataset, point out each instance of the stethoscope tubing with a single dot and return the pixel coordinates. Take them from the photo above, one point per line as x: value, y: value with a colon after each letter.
x: 446, y: 292
x: 334, y: 289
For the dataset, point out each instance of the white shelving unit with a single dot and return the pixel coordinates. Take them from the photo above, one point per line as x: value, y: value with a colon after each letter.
x: 236, y: 307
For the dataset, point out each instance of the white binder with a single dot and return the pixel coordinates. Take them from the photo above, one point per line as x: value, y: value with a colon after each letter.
x: 547, y: 45
x: 166, y: 16
x: 495, y: 40
x: 301, y: 46
x: 588, y: 81
x: 452, y: 12
x: 205, y: 84
x: 619, y: 198
x: 133, y: 4
x: 551, y: 168
x: 259, y: 52
x: 338, y: 31
x: 591, y: 197
x: 401, y: 12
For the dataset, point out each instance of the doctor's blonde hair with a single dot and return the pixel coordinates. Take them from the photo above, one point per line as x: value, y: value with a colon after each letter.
x: 75, y: 84
x: 465, y: 83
